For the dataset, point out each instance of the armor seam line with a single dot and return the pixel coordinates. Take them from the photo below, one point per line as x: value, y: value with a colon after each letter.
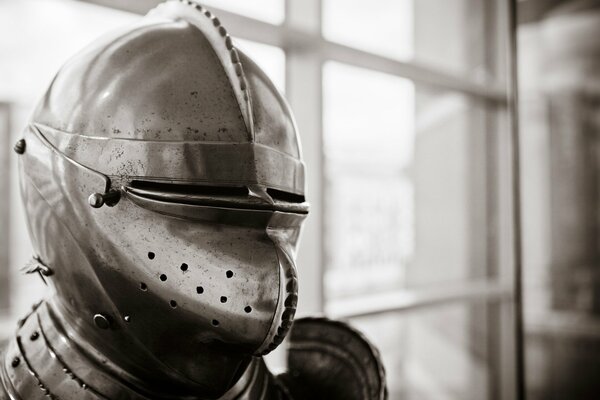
x: 130, y: 385
x: 7, y: 384
x: 41, y: 384
x: 64, y: 365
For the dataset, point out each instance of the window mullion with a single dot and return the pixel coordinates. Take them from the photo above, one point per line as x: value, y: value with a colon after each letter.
x: 304, y: 92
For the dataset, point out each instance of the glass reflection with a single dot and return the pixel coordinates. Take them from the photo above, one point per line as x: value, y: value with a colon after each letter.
x: 272, y: 11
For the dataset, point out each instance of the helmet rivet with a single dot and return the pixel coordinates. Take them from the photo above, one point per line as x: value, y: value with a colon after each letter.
x: 96, y: 200
x: 20, y: 146
x: 15, y: 362
x: 109, y: 198
x: 101, y: 321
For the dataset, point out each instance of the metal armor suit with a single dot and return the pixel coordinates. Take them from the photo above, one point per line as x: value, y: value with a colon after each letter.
x: 164, y: 187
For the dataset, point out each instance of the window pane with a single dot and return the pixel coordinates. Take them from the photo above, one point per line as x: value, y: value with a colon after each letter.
x: 22, y: 26
x: 445, y: 352
x: 369, y: 128
x: 409, y: 184
x: 385, y: 26
x: 272, y: 11
x: 270, y: 59
x: 455, y: 35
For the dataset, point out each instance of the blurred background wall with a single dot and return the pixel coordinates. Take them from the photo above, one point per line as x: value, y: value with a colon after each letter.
x: 403, y: 110
x: 559, y: 73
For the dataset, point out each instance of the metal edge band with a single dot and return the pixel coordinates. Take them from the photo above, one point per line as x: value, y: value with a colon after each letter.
x: 287, y: 302
x: 223, y: 163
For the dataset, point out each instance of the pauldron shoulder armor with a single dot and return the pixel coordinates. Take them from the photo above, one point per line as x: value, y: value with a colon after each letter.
x: 331, y: 360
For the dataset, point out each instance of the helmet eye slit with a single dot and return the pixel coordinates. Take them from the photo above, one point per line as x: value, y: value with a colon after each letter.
x: 285, y: 196
x: 187, y: 189
x: 239, y: 197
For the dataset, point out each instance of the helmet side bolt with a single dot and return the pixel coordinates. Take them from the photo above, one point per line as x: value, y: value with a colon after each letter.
x: 111, y: 198
x: 101, y: 321
x: 20, y: 146
x: 96, y: 200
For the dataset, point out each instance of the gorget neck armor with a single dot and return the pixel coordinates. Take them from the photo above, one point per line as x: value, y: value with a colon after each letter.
x: 164, y: 187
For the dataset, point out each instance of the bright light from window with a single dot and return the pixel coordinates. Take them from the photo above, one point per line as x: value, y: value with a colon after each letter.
x: 368, y: 145
x: 270, y: 59
x: 37, y: 36
x: 379, y: 26
x: 272, y: 11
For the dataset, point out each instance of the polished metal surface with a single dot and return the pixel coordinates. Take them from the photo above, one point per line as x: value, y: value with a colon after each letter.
x: 164, y: 186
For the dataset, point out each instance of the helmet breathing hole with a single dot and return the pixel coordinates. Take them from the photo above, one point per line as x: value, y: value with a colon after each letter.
x: 184, y: 267
x: 143, y: 286
x: 163, y: 277
x: 215, y: 322
x: 151, y: 255
x: 199, y: 289
x: 223, y: 299
x: 248, y: 309
x: 229, y: 274
x: 173, y: 303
